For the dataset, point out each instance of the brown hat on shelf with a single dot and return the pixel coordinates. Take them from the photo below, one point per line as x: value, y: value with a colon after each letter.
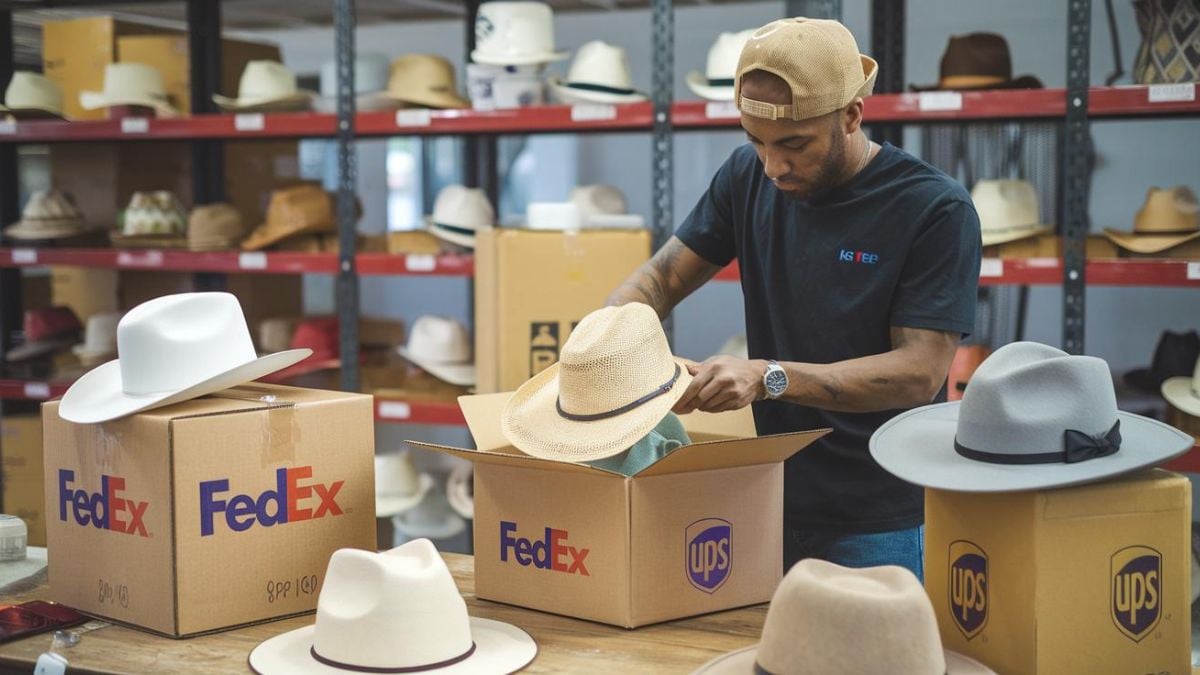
x: 214, y: 227
x: 152, y: 220
x: 978, y: 61
x: 294, y: 211
x: 1168, y: 218
x: 424, y: 80
x: 48, y: 214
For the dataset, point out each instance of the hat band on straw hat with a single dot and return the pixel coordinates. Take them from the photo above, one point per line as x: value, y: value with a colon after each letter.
x: 662, y: 389
x: 1077, y: 447
x: 587, y: 86
x: 720, y: 82
x: 409, y: 669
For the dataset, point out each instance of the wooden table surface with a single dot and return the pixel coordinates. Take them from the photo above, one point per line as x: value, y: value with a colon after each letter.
x: 564, y: 645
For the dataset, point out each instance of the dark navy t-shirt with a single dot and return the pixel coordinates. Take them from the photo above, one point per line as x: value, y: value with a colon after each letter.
x: 824, y: 281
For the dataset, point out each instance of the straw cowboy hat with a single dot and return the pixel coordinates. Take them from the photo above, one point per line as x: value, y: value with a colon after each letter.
x: 716, y: 82
x: 825, y: 618
x: 1169, y: 217
x: 817, y: 58
x: 46, y: 330
x: 266, y: 86
x: 1008, y: 211
x: 978, y: 61
x: 294, y: 211
x: 1033, y: 417
x: 99, y: 339
x: 460, y: 490
x: 441, y: 346
x: 214, y: 227
x: 172, y: 349
x: 130, y: 84
x: 394, y: 612
x: 153, y: 219
x: 459, y: 213
x: 1184, y: 392
x: 599, y: 74
x: 30, y: 96
x: 370, y: 81
x: 614, y: 382
x: 49, y: 214
x: 515, y: 34
x: 424, y: 80
x: 398, y: 485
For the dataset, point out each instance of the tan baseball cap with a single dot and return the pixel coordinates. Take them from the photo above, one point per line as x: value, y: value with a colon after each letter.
x: 818, y: 59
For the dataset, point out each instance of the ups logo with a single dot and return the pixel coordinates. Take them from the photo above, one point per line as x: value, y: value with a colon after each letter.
x: 968, y: 590
x: 1136, y: 591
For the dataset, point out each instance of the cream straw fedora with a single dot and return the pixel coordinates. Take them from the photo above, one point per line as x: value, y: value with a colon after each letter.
x: 459, y: 213
x: 266, y: 86
x: 825, y: 618
x: 716, y: 82
x: 1008, y: 211
x: 130, y: 84
x: 1184, y: 392
x: 32, y: 96
x: 615, y: 381
x: 441, y: 347
x: 599, y: 74
x: 394, y: 612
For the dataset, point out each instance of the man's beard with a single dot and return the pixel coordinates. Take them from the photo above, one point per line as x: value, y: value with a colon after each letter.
x: 827, y: 175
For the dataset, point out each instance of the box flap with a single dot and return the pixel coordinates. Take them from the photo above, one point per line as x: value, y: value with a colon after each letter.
x: 732, y: 424
x: 514, y: 459
x: 734, y: 452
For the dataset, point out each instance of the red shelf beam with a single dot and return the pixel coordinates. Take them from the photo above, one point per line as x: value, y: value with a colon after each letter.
x: 396, y: 411
x: 32, y: 390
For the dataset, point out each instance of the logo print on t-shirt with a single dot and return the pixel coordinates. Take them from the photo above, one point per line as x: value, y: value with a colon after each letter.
x: 861, y: 257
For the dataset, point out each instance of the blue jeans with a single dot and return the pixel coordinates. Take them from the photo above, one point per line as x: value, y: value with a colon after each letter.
x: 905, y: 548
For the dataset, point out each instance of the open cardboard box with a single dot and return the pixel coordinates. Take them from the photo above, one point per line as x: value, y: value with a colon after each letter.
x: 699, y: 531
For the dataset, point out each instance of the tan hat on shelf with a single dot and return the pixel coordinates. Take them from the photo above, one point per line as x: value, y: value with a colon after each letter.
x: 152, y: 219
x: 614, y: 382
x: 716, y: 82
x: 31, y: 96
x: 441, y: 346
x: 49, y: 214
x: 1008, y: 211
x: 130, y: 84
x: 599, y: 74
x: 215, y: 227
x: 424, y: 80
x: 1169, y: 217
x: 299, y: 210
x: 817, y: 58
x: 825, y: 618
x: 266, y: 86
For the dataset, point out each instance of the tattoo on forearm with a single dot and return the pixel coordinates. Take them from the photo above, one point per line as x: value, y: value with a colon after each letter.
x: 654, y: 281
x: 881, y: 381
x: 832, y: 387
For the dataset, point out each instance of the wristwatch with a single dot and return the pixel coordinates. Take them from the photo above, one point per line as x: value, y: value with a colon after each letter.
x: 775, y: 380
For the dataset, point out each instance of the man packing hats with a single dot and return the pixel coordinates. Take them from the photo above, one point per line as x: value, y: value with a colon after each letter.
x: 859, y: 267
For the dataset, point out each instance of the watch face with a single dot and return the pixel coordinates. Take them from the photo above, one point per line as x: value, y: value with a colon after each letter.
x: 776, y: 382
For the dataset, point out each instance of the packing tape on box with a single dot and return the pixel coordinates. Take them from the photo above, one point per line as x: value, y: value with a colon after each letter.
x: 281, y: 433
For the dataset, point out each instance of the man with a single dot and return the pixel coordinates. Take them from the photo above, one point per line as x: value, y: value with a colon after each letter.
x: 859, y: 268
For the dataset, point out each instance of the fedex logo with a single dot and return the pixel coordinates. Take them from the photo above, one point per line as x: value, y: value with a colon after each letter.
x: 861, y: 257
x: 103, y: 510
x: 550, y: 553
x: 287, y: 503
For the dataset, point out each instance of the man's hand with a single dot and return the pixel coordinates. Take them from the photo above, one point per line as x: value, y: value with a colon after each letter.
x: 722, y: 383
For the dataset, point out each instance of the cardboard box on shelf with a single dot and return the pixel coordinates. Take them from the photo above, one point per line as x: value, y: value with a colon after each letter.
x: 21, y: 473
x: 532, y: 287
x: 210, y: 514
x: 87, y: 291
x: 699, y: 531
x: 1089, y: 579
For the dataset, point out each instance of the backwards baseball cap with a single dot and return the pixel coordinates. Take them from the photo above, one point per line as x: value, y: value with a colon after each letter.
x: 817, y: 58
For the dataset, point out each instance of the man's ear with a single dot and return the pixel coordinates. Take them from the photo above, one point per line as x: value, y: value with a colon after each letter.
x: 852, y: 116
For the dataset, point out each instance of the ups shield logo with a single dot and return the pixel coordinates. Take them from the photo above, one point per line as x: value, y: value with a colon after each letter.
x: 968, y: 590
x: 1136, y: 591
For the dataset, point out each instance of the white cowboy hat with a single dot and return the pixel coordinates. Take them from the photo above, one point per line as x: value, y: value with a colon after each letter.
x: 825, y: 618
x: 172, y: 349
x: 130, y: 84
x: 554, y: 216
x: 1184, y: 392
x: 398, y: 486
x: 49, y: 214
x: 460, y: 491
x: 266, y: 86
x: 441, y: 346
x: 716, y: 83
x: 1033, y: 417
x: 370, y: 81
x: 458, y: 213
x: 1008, y: 211
x: 99, y: 339
x: 32, y: 96
x: 397, y: 612
x: 423, y: 80
x: 431, y: 518
x: 614, y: 382
x: 515, y: 34
x: 599, y: 74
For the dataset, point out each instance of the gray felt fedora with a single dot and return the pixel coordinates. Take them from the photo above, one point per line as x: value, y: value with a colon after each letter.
x: 1033, y: 417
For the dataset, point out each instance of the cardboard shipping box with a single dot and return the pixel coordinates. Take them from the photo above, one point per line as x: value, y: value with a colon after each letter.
x: 21, y: 473
x: 210, y: 514
x: 1090, y: 579
x: 532, y: 287
x: 699, y: 531
x: 76, y: 51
